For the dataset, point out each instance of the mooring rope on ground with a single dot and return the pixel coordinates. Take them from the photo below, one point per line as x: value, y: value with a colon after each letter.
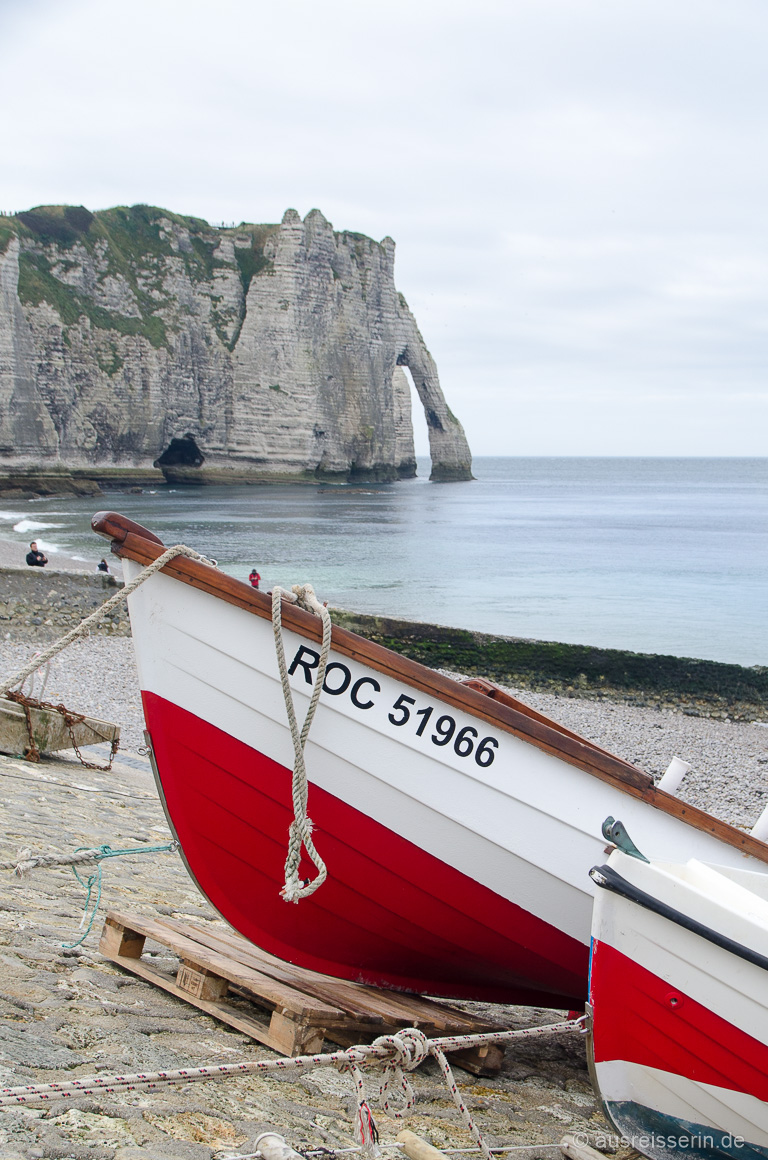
x: 399, y: 1053
x: 27, y: 861
x: 324, y: 1153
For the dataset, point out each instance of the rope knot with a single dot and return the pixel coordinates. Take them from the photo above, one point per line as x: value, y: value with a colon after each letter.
x: 410, y: 1047
x: 306, y: 599
x: 25, y: 862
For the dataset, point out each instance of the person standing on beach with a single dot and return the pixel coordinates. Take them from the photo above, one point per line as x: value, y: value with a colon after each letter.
x: 254, y: 578
x: 36, y: 559
x: 102, y: 566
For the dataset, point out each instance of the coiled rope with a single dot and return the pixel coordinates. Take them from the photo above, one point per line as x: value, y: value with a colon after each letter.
x: 300, y: 831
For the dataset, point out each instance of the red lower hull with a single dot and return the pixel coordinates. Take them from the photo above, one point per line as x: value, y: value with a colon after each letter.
x: 640, y: 1018
x: 390, y: 914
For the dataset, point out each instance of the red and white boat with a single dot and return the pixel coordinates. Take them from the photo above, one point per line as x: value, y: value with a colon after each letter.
x: 457, y: 824
x: 679, y: 1007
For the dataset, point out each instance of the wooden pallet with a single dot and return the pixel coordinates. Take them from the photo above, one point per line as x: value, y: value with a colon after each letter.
x: 290, y: 1009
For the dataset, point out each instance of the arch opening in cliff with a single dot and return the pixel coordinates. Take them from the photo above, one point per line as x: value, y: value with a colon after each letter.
x: 182, y: 452
x: 448, y: 450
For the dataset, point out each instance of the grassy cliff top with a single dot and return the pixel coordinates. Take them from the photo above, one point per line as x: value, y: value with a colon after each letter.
x: 132, y: 242
x: 139, y: 226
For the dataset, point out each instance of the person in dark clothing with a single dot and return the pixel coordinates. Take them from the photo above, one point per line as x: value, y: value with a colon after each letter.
x: 254, y: 578
x: 36, y: 559
x: 102, y: 566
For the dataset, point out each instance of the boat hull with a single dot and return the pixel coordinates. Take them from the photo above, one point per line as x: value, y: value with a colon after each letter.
x: 390, y: 913
x: 679, y: 1027
x: 457, y: 849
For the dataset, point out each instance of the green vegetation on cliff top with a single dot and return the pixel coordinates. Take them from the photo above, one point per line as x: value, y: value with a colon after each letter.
x: 133, y: 243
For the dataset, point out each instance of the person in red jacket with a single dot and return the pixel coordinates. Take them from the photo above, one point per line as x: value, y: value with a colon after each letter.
x: 254, y: 578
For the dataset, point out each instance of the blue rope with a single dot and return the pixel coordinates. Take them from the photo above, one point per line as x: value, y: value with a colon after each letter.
x: 94, y: 880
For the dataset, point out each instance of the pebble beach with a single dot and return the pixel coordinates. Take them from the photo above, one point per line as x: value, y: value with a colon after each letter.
x: 67, y: 1011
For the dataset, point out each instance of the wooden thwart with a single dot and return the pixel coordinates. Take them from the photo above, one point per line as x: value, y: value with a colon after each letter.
x: 290, y: 1009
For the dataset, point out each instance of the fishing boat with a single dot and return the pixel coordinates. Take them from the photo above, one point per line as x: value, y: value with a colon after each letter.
x: 679, y: 1006
x: 457, y: 824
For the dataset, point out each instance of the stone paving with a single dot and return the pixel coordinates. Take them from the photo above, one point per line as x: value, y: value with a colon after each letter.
x: 67, y: 1012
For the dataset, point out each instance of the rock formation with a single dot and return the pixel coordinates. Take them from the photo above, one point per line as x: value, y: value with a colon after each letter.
x: 134, y: 337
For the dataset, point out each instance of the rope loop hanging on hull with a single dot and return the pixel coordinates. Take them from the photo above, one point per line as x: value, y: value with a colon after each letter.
x: 300, y: 831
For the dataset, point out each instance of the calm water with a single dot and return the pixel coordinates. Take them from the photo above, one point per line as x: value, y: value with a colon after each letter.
x: 656, y: 555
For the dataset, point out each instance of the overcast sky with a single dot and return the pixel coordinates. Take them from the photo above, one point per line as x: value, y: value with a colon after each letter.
x: 577, y: 188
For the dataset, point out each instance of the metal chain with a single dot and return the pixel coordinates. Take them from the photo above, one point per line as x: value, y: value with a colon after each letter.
x: 70, y: 720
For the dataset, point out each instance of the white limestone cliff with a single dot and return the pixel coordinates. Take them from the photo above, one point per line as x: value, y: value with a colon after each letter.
x: 134, y: 337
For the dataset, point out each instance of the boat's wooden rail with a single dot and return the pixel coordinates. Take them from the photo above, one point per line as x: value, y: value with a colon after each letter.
x: 480, y: 698
x: 288, y: 1008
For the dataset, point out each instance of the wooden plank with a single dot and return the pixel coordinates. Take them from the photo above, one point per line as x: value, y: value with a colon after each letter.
x: 49, y: 729
x: 417, y: 1149
x: 205, y: 975
x: 257, y: 1029
x: 577, y: 1150
x: 290, y: 1037
x: 268, y: 990
x: 117, y: 939
x: 366, y: 1006
x: 201, y: 984
x: 350, y: 998
x: 363, y: 1003
x: 485, y: 1060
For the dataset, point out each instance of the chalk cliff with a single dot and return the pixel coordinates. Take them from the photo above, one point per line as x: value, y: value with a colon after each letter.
x: 134, y: 337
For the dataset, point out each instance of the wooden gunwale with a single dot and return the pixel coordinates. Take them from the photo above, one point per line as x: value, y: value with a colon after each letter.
x: 134, y: 542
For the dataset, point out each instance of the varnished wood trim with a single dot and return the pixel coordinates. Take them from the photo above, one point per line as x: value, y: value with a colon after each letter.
x: 114, y: 527
x: 529, y: 725
x: 502, y: 697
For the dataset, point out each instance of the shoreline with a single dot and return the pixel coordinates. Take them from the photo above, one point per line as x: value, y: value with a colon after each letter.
x: 39, y: 608
x: 700, y: 687
x: 13, y: 553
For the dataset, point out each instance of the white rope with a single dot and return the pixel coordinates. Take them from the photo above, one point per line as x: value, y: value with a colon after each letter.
x: 84, y: 627
x: 366, y: 1055
x: 25, y: 860
x: 300, y: 831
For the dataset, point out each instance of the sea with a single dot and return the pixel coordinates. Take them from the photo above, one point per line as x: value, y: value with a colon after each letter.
x: 655, y: 555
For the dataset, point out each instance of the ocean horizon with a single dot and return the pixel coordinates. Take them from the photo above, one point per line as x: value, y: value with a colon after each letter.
x: 655, y: 555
